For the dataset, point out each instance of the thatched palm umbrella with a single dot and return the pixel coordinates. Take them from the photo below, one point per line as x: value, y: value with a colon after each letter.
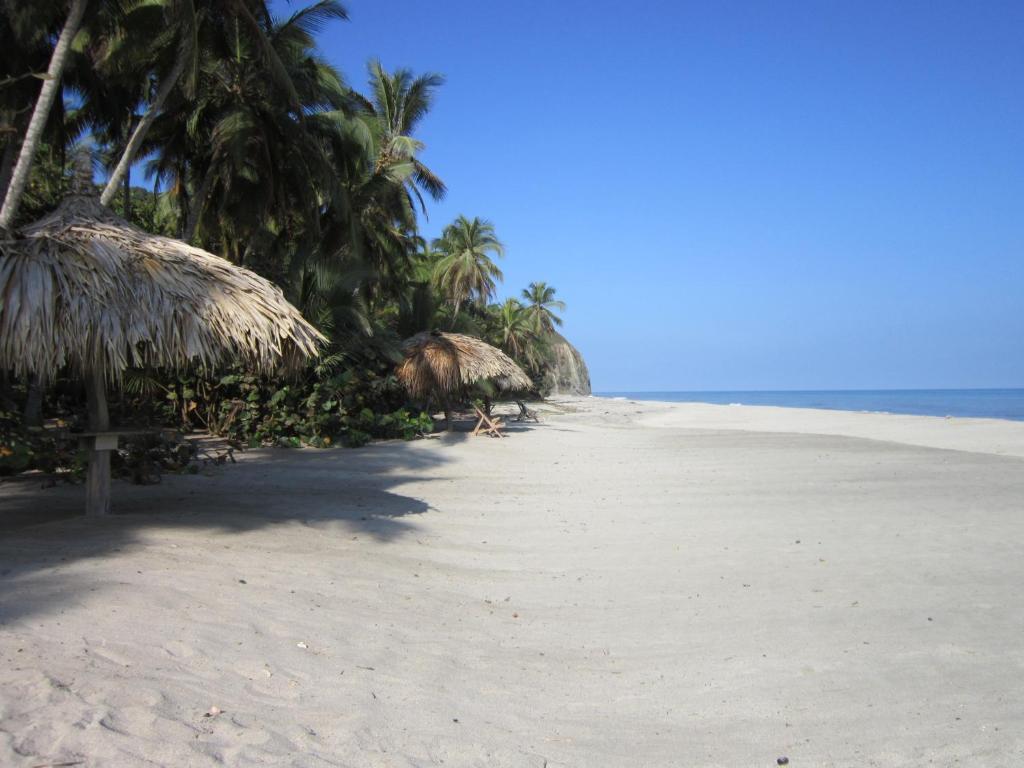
x: 86, y: 289
x: 441, y: 365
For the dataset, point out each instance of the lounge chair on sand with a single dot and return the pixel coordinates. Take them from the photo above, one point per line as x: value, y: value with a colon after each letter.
x: 525, y: 414
x: 487, y: 425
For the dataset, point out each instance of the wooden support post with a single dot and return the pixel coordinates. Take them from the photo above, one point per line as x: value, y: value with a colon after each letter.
x: 448, y: 422
x: 97, y: 483
x: 33, y: 414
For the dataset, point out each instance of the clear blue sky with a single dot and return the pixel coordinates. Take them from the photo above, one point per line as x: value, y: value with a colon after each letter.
x: 729, y: 195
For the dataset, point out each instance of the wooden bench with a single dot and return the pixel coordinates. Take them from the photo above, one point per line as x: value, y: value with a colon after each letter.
x: 108, y: 440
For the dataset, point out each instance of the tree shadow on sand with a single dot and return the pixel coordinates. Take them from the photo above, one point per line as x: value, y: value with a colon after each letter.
x: 340, y: 492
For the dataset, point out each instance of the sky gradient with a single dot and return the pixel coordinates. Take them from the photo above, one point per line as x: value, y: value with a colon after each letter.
x: 737, y: 195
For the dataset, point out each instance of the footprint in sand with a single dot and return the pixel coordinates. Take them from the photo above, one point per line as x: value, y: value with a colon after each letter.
x: 109, y: 652
x: 178, y: 650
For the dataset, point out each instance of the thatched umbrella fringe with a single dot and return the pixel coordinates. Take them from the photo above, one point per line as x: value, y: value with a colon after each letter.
x: 165, y: 303
x: 442, y: 364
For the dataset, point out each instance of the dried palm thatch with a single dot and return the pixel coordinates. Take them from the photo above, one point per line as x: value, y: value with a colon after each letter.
x: 442, y: 364
x: 86, y: 288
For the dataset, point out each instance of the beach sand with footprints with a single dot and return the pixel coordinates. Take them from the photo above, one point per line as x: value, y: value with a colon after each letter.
x: 623, y: 584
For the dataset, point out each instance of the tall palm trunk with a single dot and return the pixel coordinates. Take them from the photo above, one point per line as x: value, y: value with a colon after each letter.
x: 181, y: 193
x: 127, y: 185
x: 40, y: 114
x: 139, y: 134
x: 198, y: 204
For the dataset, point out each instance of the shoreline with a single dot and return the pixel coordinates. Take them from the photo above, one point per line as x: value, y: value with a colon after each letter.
x: 1000, y: 437
x: 941, y: 403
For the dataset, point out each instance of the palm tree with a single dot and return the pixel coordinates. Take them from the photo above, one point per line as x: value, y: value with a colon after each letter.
x: 277, y: 44
x: 465, y: 273
x: 516, y: 333
x: 399, y: 102
x: 26, y: 45
x: 250, y: 152
x: 541, y: 306
x: 370, y: 218
x: 418, y: 304
x: 178, y: 41
x: 41, y: 112
x: 109, y: 75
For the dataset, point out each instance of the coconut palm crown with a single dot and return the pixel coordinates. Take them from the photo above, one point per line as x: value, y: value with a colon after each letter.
x: 541, y: 306
x: 465, y: 272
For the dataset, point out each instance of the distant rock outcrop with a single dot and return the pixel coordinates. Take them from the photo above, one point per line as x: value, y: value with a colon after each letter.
x: 567, y: 373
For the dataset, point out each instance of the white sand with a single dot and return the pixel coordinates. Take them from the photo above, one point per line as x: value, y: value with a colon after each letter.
x: 628, y: 585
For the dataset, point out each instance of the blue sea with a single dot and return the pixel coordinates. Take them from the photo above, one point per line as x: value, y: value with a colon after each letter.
x: 980, y: 403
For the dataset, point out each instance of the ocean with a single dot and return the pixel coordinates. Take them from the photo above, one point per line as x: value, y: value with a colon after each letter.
x: 979, y: 403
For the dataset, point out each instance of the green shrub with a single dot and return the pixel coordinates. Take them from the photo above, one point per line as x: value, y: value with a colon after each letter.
x: 22, y: 449
x: 349, y: 408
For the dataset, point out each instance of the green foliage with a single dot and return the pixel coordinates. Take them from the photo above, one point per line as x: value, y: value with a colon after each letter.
x: 262, y: 153
x: 347, y: 408
x: 465, y: 273
x: 22, y: 449
x: 49, y: 181
x: 542, y: 306
x: 144, y: 458
x: 151, y: 211
x: 58, y: 452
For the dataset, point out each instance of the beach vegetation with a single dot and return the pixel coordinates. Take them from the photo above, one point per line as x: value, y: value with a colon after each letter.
x: 542, y: 307
x: 227, y: 127
x: 465, y: 272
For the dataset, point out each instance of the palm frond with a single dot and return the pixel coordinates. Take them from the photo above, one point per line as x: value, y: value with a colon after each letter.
x: 312, y: 19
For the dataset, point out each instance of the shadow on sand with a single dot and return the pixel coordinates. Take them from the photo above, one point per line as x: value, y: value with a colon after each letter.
x: 340, y: 490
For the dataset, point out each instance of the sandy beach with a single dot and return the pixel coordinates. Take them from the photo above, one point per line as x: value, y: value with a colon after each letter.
x: 623, y: 584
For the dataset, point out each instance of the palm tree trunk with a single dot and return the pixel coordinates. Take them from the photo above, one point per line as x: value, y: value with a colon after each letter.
x: 184, y: 206
x: 40, y: 114
x: 455, y: 315
x: 196, y: 211
x: 128, y: 194
x: 139, y: 134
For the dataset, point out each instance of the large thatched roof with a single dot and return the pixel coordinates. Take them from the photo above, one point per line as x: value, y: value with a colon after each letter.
x: 86, y: 288
x: 443, y: 363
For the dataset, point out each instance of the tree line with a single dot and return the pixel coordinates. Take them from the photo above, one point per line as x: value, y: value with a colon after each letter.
x: 256, y: 148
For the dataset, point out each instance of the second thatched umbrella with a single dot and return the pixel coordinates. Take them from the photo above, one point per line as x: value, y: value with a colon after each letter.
x: 442, y: 365
x: 86, y: 289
